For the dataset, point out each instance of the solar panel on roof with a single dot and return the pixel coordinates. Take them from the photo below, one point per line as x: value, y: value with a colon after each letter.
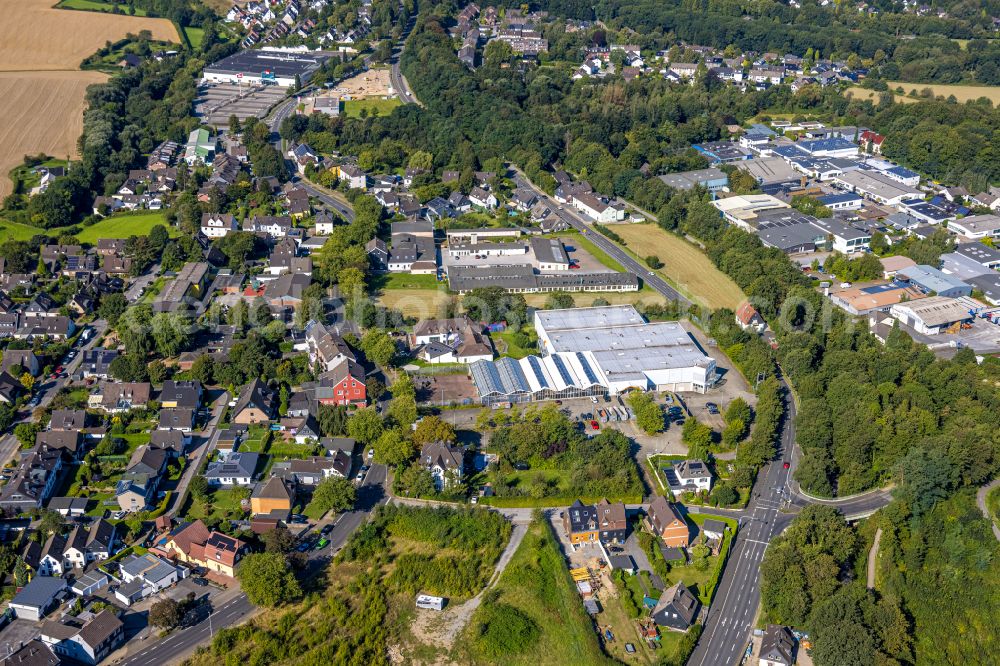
x: 591, y: 377
x: 561, y: 367
x: 536, y: 367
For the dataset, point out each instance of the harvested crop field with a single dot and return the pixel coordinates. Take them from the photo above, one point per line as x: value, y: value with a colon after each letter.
x: 41, y: 86
x: 43, y: 113
x: 684, y: 264
x: 961, y: 93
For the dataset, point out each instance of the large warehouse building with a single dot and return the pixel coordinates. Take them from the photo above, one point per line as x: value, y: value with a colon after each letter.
x: 597, y: 351
x: 266, y: 66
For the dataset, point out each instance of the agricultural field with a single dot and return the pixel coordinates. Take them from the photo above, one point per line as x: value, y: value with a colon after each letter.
x: 684, y: 264
x: 41, y: 88
x: 373, y: 107
x: 963, y: 93
x: 96, y: 6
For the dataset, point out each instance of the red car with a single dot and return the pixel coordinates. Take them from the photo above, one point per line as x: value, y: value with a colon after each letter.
x: 595, y: 425
x: 786, y: 465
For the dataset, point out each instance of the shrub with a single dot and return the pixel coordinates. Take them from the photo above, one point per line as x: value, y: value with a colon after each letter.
x: 504, y: 631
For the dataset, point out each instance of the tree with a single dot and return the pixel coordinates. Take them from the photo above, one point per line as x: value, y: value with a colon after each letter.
x: 654, y: 262
x: 403, y: 406
x: 111, y: 308
x: 648, y: 414
x: 203, y: 369
x: 558, y: 300
x: 51, y: 522
x: 334, y: 494
x: 266, y: 580
x: 494, y: 304
x: 199, y: 487
x: 278, y: 540
x: 26, y: 433
x: 165, y: 613
x: 394, y: 448
x: 378, y: 346
x: 365, y: 426
x: 157, y: 372
x: 433, y: 429
x: 416, y: 481
x: 20, y: 573
x: 698, y: 438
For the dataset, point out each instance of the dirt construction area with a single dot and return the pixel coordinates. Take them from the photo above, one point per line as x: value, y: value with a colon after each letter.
x: 41, y: 88
x: 372, y: 83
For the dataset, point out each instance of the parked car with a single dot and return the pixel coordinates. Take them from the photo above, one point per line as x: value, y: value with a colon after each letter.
x: 595, y: 425
x: 199, y: 581
x: 326, y: 529
x: 521, y: 466
x: 303, y: 547
x: 322, y: 543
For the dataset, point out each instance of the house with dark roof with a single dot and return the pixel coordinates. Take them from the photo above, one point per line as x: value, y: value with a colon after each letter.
x: 194, y: 543
x: 580, y: 523
x: 173, y: 442
x: 88, y: 640
x: 97, y: 362
x: 10, y: 388
x: 445, y: 462
x: 177, y: 418
x: 32, y: 653
x: 68, y: 419
x: 666, y: 522
x: 256, y: 404
x: 677, y: 608
x: 237, y: 469
x: 61, y: 440
x: 71, y: 507
x: 777, y: 646
x: 34, y: 481
x: 37, y: 598
x: 612, y: 523
x: 311, y: 471
x: 183, y: 394
x: 115, y: 397
x: 22, y: 358
x: 272, y: 498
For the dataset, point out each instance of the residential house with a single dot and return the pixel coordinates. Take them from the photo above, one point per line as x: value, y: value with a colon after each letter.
x: 273, y: 226
x: 301, y: 429
x: 688, y: 476
x: 218, y: 225
x: 777, y: 646
x: 677, y: 608
x: 87, y: 641
x: 120, y: 397
x: 183, y: 394
x: 272, y: 498
x: 66, y: 441
x: 96, y: 363
x: 34, y: 480
x: 136, y: 488
x: 667, y: 523
x: 10, y: 388
x: 172, y: 442
x: 32, y: 653
x: 52, y: 327
x: 355, y: 177
x: 446, y: 463
x: 176, y: 418
x: 344, y: 385
x: 236, y: 469
x: 311, y: 471
x: 326, y: 348
x: 194, y: 543
x: 23, y: 359
x: 452, y: 341
x: 580, y: 523
x: 612, y: 523
x: 256, y: 404
x: 145, y: 575
x: 749, y: 319
x: 68, y: 420
x: 482, y: 199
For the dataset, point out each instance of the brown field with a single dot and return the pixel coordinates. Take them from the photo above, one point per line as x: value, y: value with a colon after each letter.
x: 961, y: 93
x: 684, y: 264
x: 41, y: 87
x: 372, y: 83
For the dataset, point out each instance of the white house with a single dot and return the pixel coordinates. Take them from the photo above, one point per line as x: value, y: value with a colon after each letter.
x: 591, y: 206
x: 688, y: 476
x: 355, y: 177
x: 217, y: 225
x: 482, y: 199
x: 445, y: 463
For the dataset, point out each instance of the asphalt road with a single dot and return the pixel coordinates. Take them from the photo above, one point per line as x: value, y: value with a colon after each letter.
x: 396, y: 78
x: 48, y: 388
x: 372, y: 492
x: 731, y: 615
x: 601, y: 241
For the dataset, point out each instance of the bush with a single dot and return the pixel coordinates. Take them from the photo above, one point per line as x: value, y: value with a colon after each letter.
x: 504, y: 631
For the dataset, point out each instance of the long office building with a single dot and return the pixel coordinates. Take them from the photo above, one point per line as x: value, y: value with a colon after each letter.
x: 597, y: 351
x: 523, y: 279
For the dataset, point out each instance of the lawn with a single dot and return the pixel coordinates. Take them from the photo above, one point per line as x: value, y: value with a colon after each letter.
x: 706, y: 581
x: 18, y: 231
x: 373, y: 106
x: 537, y: 583
x: 96, y: 6
x: 194, y: 35
x: 684, y: 265
x: 421, y: 302
x: 280, y: 449
x: 123, y: 226
x: 645, y: 296
x: 223, y: 503
x: 407, y: 281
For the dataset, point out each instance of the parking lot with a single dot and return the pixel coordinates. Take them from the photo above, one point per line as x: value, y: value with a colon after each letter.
x: 216, y: 102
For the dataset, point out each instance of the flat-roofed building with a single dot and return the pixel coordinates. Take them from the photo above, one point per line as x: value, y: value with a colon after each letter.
x: 976, y: 227
x: 712, y: 179
x: 875, y: 186
x: 876, y: 298
x: 743, y: 209
x: 935, y: 314
x: 929, y: 279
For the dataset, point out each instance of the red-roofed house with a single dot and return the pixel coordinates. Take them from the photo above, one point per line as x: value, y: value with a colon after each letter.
x: 748, y: 318
x: 196, y: 544
x: 871, y: 142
